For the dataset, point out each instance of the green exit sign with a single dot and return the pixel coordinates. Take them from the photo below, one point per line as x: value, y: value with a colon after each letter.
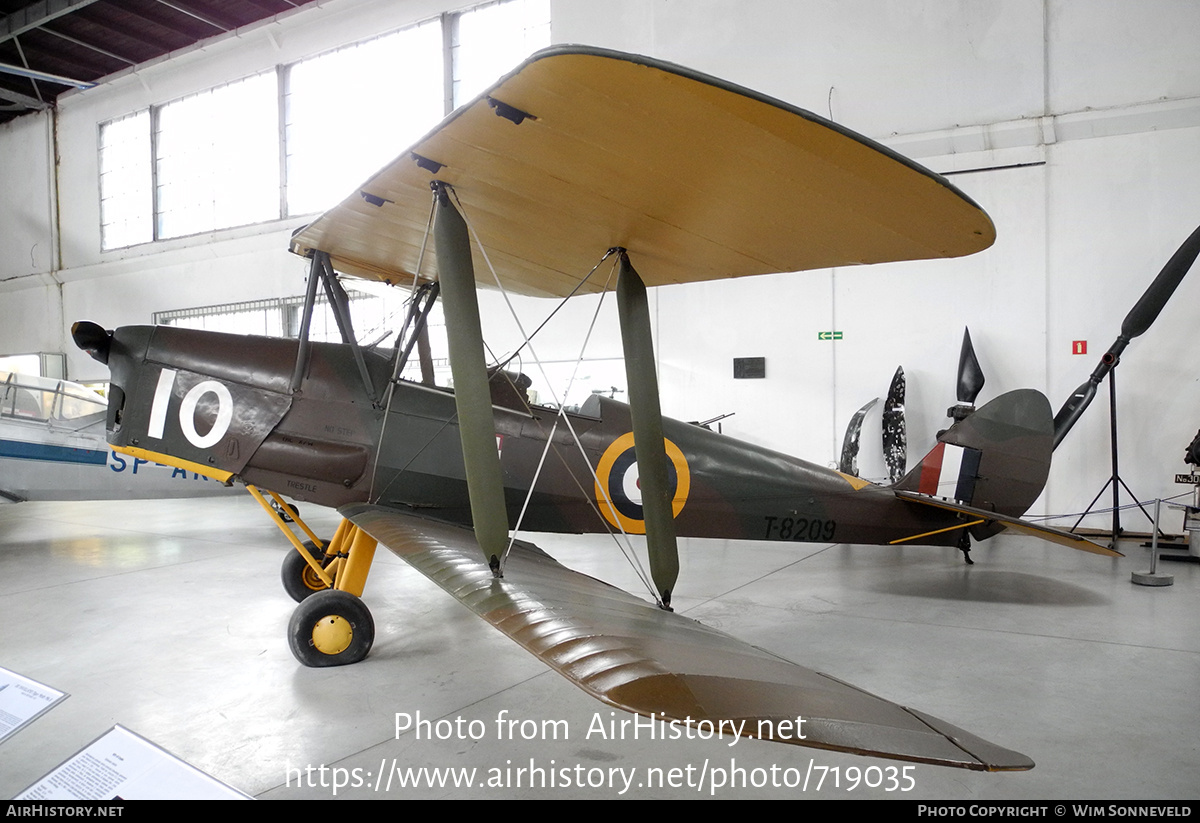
x: 829, y: 335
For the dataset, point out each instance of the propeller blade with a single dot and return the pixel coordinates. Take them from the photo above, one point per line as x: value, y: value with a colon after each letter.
x: 895, y: 440
x: 1079, y: 400
x: 970, y: 376
x: 1139, y: 319
x: 1146, y: 310
x: 849, y: 462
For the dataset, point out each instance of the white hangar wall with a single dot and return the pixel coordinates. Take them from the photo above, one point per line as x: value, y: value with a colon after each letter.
x: 1087, y: 112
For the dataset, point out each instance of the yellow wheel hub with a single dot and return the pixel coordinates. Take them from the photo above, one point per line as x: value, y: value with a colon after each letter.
x: 311, y: 580
x: 332, y: 634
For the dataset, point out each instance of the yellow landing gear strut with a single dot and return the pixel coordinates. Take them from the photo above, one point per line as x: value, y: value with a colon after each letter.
x: 331, y: 625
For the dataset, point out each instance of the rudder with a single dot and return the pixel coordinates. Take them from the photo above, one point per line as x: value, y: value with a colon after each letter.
x: 998, y: 458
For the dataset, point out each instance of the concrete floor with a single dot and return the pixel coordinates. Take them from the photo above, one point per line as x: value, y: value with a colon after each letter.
x: 168, y: 618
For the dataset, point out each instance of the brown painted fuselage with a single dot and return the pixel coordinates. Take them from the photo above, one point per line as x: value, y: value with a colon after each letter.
x: 224, y: 402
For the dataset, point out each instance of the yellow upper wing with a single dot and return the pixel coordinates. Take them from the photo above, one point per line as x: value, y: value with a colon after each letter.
x: 699, y: 179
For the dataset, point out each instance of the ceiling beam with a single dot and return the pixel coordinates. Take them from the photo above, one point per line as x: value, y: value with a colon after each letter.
x: 162, y: 21
x: 195, y: 15
x: 23, y: 100
x: 36, y: 15
x: 91, y: 46
x: 32, y: 74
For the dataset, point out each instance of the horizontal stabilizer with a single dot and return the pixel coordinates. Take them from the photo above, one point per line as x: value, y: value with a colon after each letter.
x: 632, y: 655
x: 1059, y: 536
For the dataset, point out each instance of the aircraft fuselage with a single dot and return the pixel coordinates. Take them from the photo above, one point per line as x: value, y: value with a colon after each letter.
x: 223, y: 402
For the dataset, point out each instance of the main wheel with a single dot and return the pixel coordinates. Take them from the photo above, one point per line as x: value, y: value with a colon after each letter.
x: 287, y: 512
x: 331, y: 628
x: 299, y: 580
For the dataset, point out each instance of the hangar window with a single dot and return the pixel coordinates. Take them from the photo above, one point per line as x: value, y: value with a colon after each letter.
x: 375, y: 317
x: 332, y: 148
x: 261, y: 317
x: 328, y: 154
x: 125, y: 181
x: 216, y: 158
x: 488, y: 40
x: 294, y: 140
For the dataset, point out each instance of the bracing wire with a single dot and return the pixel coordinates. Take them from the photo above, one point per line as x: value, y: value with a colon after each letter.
x: 395, y: 371
x: 561, y: 415
x: 626, y: 549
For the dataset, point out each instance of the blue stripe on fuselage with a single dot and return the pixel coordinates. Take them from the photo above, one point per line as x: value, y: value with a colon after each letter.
x: 18, y: 450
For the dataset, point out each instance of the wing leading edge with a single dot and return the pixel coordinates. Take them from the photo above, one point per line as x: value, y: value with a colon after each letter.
x: 634, y: 656
x: 582, y: 149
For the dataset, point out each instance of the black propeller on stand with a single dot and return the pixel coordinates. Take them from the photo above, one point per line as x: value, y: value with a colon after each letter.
x: 970, y: 380
x: 1140, y: 317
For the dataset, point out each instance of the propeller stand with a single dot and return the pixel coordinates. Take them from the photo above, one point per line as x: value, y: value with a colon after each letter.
x: 1115, y: 480
x: 1139, y: 319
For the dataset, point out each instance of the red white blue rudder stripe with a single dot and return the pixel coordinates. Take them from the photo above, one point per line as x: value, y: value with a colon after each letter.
x: 949, y: 471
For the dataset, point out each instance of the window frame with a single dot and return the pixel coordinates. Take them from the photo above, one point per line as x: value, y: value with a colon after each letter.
x: 448, y: 23
x: 146, y: 217
x: 159, y: 215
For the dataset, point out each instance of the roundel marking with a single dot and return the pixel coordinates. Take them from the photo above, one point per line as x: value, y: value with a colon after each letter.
x: 618, y: 493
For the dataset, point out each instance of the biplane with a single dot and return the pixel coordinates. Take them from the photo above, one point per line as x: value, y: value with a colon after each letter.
x: 584, y: 171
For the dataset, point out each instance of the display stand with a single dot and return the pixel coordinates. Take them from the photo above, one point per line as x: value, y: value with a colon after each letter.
x: 1114, y: 481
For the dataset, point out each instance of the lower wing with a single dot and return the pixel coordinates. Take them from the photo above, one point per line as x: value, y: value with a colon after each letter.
x: 632, y: 655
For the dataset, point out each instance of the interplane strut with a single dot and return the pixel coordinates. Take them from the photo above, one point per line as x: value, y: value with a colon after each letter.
x: 634, y: 311
x: 472, y: 398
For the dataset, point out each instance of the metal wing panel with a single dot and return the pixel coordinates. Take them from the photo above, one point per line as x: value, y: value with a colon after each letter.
x: 636, y: 657
x: 698, y: 178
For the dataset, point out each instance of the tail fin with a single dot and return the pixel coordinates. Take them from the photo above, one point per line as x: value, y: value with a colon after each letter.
x: 997, y: 459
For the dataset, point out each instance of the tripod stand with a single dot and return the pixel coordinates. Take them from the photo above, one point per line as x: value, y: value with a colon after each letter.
x: 1114, y: 481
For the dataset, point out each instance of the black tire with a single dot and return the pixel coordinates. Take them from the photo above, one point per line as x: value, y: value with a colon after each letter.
x: 287, y: 512
x: 297, y: 576
x: 331, y: 628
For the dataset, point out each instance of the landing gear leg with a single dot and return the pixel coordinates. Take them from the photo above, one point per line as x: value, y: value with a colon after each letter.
x: 331, y: 626
x: 334, y: 627
x: 964, y: 545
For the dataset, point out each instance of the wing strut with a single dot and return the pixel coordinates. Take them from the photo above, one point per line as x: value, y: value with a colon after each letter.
x: 310, y: 299
x: 634, y: 312
x: 320, y: 268
x: 476, y: 426
x: 340, y: 302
